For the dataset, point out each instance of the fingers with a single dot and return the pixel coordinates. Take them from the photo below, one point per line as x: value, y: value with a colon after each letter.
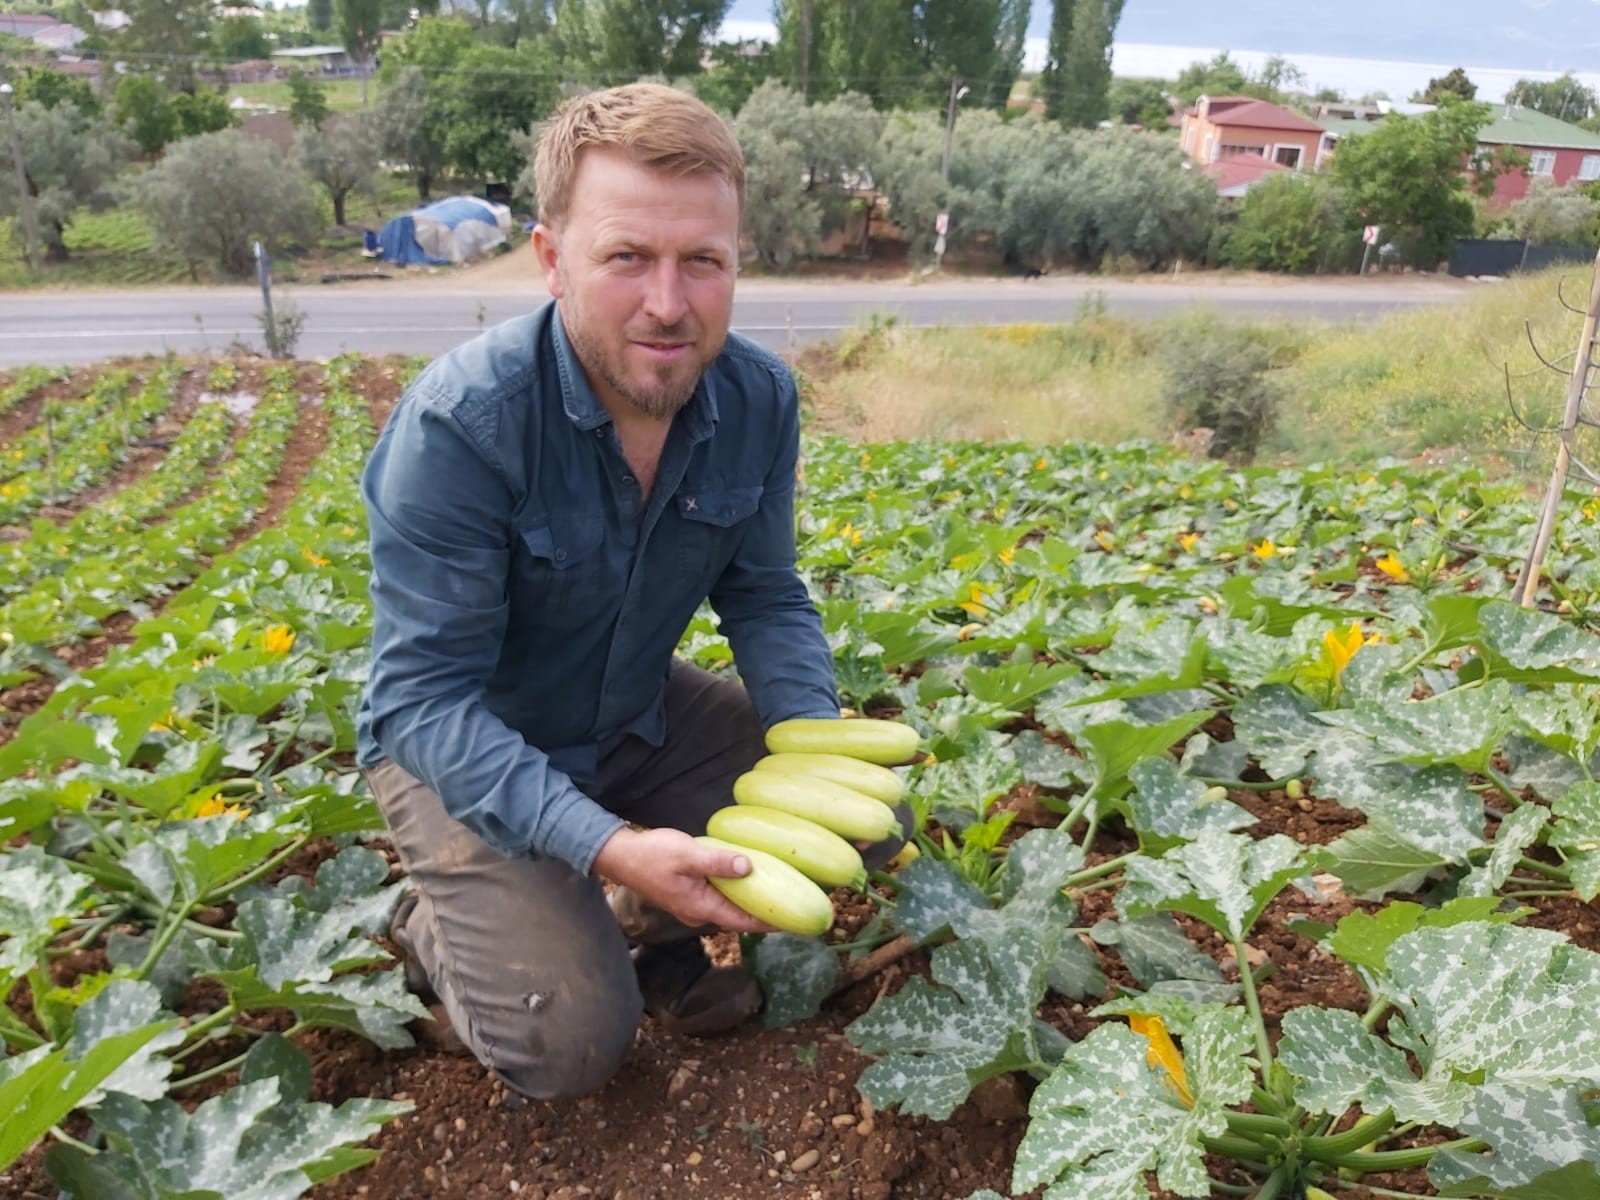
x: 723, y: 865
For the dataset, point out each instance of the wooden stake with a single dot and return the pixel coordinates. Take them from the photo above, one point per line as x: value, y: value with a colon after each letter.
x: 1583, y: 367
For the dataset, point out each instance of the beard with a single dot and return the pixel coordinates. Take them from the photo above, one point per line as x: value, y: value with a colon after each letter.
x: 670, y: 386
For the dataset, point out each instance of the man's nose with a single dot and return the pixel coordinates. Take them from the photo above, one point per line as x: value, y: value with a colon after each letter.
x: 664, y: 300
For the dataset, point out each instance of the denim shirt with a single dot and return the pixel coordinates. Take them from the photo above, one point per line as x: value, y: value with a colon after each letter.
x: 527, y: 598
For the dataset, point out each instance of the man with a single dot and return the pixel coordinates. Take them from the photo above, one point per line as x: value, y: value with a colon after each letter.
x: 549, y: 505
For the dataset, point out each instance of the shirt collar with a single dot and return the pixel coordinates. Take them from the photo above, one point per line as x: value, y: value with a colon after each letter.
x: 583, y: 407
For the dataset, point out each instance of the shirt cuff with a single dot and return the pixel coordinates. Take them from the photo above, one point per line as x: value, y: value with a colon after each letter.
x: 578, y: 827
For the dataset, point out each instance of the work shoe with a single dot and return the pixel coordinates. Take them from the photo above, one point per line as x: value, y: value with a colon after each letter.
x: 689, y: 996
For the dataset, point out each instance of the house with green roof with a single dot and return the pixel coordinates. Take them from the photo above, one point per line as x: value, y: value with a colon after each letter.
x: 1553, y: 148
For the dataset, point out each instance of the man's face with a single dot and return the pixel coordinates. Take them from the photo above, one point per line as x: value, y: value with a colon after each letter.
x: 643, y: 267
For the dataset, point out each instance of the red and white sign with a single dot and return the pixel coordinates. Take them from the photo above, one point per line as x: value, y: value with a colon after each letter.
x: 941, y: 224
x: 1369, y: 235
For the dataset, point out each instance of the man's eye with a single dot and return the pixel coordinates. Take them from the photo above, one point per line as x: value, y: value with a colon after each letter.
x: 624, y: 256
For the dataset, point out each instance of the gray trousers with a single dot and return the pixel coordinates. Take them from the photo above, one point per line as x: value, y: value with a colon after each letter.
x: 530, y: 961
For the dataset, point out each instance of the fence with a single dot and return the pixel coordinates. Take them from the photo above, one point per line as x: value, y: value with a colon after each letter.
x: 1501, y: 256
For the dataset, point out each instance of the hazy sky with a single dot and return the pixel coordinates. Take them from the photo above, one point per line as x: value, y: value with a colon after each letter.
x: 1356, y: 45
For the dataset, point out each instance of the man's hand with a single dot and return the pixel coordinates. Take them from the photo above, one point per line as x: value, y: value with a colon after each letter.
x: 668, y: 869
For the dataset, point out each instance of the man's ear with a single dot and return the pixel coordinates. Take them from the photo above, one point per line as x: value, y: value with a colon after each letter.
x: 546, y: 247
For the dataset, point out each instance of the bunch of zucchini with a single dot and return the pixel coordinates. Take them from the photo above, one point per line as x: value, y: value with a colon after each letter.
x: 825, y: 785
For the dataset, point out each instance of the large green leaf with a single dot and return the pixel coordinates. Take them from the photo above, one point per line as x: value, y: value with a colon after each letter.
x: 124, y: 1005
x: 1113, y: 747
x: 1463, y: 726
x: 1222, y: 879
x: 1363, y: 939
x: 184, y: 860
x: 242, y: 1145
x: 1577, y: 836
x: 1155, y: 949
x: 39, y: 1087
x: 1541, y: 1147
x: 796, y: 974
x: 1105, y: 1117
x: 1167, y: 807
x: 1525, y: 645
x: 1432, y: 808
x: 1275, y: 722
x: 940, y: 1040
x: 1517, y: 832
x: 38, y: 895
x: 1476, y: 1004
x: 1373, y: 860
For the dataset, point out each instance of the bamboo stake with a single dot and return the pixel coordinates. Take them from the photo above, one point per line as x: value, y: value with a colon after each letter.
x: 1577, y: 387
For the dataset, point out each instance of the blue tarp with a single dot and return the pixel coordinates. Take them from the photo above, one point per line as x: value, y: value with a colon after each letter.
x: 447, y: 231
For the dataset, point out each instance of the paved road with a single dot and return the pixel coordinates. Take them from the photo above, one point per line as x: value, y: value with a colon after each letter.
x: 431, y: 315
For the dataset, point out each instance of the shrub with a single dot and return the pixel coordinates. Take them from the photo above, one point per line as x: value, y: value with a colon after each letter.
x: 1291, y: 222
x: 1217, y: 379
x: 211, y: 196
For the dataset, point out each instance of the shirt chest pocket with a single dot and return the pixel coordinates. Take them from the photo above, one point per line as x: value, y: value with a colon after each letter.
x: 563, y: 571
x: 710, y: 521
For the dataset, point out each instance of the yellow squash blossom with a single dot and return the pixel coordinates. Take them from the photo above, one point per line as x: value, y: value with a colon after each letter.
x: 1163, y: 1054
x: 1342, y: 647
x: 278, y: 639
x: 979, y: 602
x: 1040, y: 465
x: 1008, y: 555
x: 1264, y: 549
x: 1188, y: 541
x: 315, y: 559
x: 851, y: 533
x: 213, y: 806
x: 1104, y: 540
x: 1393, y: 568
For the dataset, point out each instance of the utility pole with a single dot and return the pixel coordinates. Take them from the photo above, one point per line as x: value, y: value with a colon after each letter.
x: 30, y: 226
x: 957, y: 90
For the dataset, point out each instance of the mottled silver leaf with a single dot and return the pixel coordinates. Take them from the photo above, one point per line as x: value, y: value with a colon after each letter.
x: 1462, y: 727
x: 1576, y: 835
x: 1371, y: 861
x: 1224, y: 879
x: 796, y: 974
x: 1155, y: 948
x: 1517, y: 832
x: 1275, y: 722
x: 1536, y: 641
x: 1105, y: 1117
x: 1166, y: 806
x: 39, y: 894
x: 1531, y: 1132
x: 1339, y: 1063
x: 124, y: 1005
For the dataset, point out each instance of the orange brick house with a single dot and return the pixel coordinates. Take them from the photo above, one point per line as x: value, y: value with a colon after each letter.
x: 1218, y: 127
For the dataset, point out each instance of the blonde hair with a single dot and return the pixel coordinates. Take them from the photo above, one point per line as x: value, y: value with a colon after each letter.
x: 654, y: 125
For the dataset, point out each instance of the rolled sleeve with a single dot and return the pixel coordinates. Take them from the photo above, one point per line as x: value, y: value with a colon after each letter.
x: 766, y: 612
x: 441, y: 531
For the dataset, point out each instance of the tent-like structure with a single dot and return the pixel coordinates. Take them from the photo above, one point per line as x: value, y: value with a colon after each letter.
x: 451, y: 230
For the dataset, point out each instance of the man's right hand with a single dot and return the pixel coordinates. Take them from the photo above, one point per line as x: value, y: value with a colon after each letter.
x: 669, y: 869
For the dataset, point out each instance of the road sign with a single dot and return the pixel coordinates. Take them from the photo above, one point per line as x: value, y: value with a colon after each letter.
x: 1369, y: 235
x: 941, y: 224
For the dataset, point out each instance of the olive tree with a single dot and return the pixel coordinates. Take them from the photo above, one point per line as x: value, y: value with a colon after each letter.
x: 1553, y: 214
x: 802, y: 165
x: 70, y: 160
x: 341, y: 157
x: 211, y: 196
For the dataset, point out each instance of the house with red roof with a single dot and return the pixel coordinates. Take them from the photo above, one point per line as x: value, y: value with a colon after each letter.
x: 1239, y: 140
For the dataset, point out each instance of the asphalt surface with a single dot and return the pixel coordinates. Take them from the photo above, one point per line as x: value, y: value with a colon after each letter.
x: 430, y: 315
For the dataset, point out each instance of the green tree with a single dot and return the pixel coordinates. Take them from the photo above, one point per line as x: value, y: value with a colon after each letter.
x: 633, y: 38
x: 210, y: 197
x: 737, y: 70
x: 198, y: 112
x: 69, y: 159
x: 407, y: 129
x: 1454, y: 83
x: 239, y: 37
x: 308, y: 100
x: 50, y: 88
x: 1565, y: 98
x: 802, y: 162
x: 1294, y: 221
x: 574, y: 39
x: 1220, y: 76
x: 1139, y: 102
x: 144, y: 110
x: 1408, y: 175
x: 494, y: 92
x: 1010, y: 46
x: 341, y: 158
x: 319, y: 15
x: 175, y: 30
x: 1087, y: 70
x: 360, y: 27
x: 1053, y: 77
